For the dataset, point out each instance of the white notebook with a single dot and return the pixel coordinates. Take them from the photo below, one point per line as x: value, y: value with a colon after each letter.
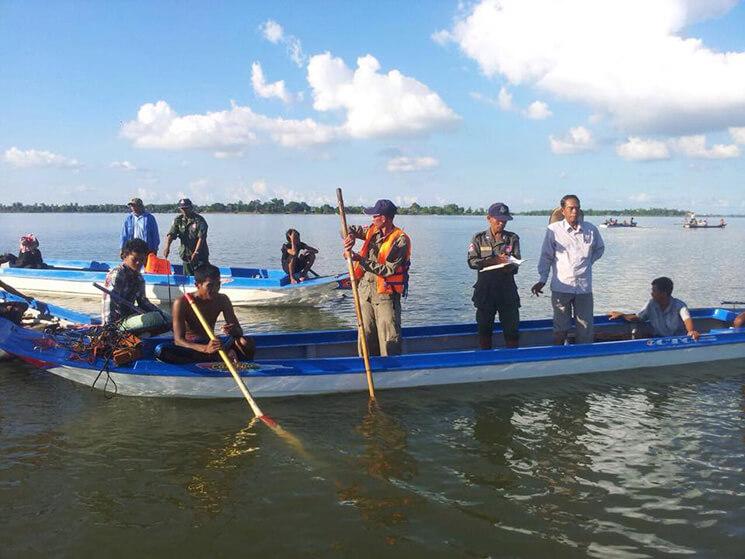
x: 512, y: 260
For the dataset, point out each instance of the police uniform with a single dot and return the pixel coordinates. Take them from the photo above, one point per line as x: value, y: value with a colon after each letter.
x: 188, y: 230
x: 495, y: 291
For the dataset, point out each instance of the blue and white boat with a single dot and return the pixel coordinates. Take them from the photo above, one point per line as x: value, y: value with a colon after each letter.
x: 244, y: 286
x: 306, y: 363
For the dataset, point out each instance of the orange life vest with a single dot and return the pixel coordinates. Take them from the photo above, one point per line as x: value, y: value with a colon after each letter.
x: 399, y: 281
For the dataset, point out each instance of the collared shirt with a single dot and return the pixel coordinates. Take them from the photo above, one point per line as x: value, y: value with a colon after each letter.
x: 484, y: 245
x: 569, y: 254
x: 188, y: 230
x: 396, y: 258
x: 666, y: 322
x: 143, y: 226
x: 130, y: 286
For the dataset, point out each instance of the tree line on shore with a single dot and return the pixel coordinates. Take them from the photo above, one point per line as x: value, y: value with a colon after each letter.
x: 278, y: 206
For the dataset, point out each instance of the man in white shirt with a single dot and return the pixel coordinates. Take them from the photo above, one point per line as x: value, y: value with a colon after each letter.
x: 570, y: 248
x: 666, y: 315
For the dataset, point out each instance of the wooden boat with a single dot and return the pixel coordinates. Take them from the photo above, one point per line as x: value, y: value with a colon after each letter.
x: 612, y: 224
x: 244, y: 286
x: 326, y: 362
x: 701, y: 224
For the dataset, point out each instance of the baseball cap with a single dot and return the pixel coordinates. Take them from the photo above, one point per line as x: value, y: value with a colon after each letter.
x: 499, y: 211
x: 382, y: 207
x: 185, y: 203
x: 137, y: 202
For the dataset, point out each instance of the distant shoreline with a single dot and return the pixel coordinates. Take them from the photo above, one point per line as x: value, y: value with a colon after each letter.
x: 278, y: 207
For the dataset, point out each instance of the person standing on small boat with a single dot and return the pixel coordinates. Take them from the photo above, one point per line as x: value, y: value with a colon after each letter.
x: 297, y: 257
x: 666, y: 315
x: 570, y: 248
x: 140, y: 224
x: 190, y: 343
x: 127, y: 285
x: 190, y: 229
x: 495, y: 290
x: 382, y: 269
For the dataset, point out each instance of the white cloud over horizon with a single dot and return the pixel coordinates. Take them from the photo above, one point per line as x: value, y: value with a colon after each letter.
x: 34, y: 158
x: 404, y: 164
x: 537, y: 110
x: 577, y: 140
x: 661, y: 82
x: 640, y: 149
x: 268, y: 90
x: 275, y: 34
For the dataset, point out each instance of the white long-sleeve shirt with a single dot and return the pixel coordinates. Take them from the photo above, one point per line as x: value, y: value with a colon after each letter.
x: 569, y: 254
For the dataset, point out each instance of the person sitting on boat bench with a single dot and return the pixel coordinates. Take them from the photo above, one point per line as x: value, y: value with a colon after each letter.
x: 29, y: 255
x: 739, y: 320
x: 666, y: 315
x: 127, y: 286
x: 297, y: 257
x: 190, y: 343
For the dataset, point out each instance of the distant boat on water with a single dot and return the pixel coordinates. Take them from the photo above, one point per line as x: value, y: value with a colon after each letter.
x: 611, y: 222
x: 692, y: 222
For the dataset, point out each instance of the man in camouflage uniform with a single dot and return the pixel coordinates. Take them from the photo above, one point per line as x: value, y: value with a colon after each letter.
x: 191, y: 229
x: 382, y: 271
x: 495, y: 290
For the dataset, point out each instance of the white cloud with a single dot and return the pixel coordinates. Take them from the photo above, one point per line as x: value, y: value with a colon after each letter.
x: 641, y: 197
x: 272, y: 31
x: 580, y: 50
x: 577, y: 140
x: 268, y: 90
x: 695, y: 146
x: 123, y: 165
x: 33, y: 158
x: 229, y: 154
x: 159, y: 127
x: 738, y: 135
x: 405, y: 164
x: 441, y: 37
x: 639, y: 149
x: 537, y: 110
x: 504, y: 99
x: 376, y: 104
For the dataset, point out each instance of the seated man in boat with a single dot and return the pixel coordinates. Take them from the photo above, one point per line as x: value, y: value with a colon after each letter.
x: 29, y: 255
x: 739, y: 320
x: 665, y: 315
x: 126, y: 286
x: 297, y: 257
x: 190, y: 342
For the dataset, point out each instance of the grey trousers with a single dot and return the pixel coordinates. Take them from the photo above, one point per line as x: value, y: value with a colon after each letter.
x: 577, y: 305
x: 381, y: 322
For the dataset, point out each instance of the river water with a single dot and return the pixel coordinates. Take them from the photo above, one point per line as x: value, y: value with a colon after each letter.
x: 640, y: 464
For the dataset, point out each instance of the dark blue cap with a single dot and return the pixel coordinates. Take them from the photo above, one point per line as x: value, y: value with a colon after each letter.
x: 185, y: 203
x: 499, y: 211
x: 382, y: 207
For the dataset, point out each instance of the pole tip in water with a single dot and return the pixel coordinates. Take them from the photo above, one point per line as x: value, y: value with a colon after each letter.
x: 268, y: 421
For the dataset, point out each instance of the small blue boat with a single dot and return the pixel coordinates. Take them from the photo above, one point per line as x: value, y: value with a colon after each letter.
x: 244, y: 286
x: 291, y: 364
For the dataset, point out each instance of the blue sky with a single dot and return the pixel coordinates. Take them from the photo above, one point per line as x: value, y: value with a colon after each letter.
x: 628, y: 104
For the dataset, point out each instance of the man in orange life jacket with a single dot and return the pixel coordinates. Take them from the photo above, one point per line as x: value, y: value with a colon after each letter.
x: 382, y: 270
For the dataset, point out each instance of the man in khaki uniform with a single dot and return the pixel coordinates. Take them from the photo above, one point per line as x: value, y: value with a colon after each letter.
x: 381, y: 268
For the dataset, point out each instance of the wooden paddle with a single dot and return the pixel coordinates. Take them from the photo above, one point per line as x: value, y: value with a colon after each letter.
x: 356, y: 296
x: 231, y: 367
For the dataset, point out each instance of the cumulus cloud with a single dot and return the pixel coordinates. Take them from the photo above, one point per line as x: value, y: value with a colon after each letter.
x: 738, y: 135
x: 33, y: 158
x: 658, y: 82
x: 504, y: 99
x: 274, y: 33
x: 268, y: 90
x: 577, y: 140
x: 537, y: 110
x: 695, y: 146
x: 639, y: 149
x: 376, y: 104
x: 123, y: 165
x: 405, y: 164
x: 441, y: 37
x: 158, y: 126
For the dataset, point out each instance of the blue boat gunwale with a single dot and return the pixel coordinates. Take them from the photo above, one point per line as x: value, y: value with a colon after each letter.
x: 384, y: 365
x: 92, y: 270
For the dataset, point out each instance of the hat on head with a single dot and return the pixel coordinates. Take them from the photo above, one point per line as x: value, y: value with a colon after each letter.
x: 136, y: 202
x: 185, y: 203
x: 499, y: 211
x: 382, y: 207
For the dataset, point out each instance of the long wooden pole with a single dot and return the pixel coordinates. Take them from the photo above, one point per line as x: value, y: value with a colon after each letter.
x: 356, y: 296
x: 229, y: 364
